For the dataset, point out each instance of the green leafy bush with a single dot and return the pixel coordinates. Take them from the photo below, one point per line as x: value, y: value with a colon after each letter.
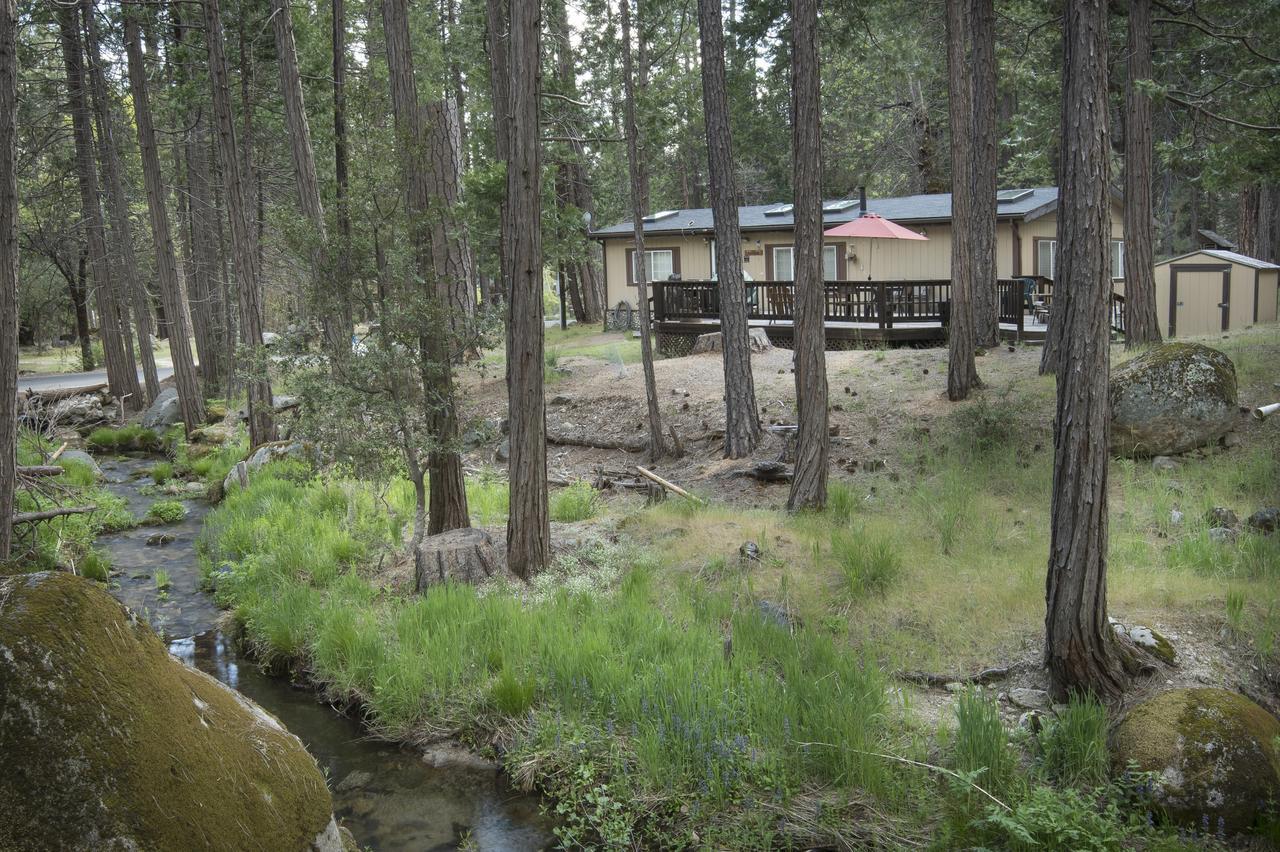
x: 166, y: 512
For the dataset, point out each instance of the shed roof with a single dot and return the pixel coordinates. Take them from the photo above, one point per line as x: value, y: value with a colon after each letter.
x: 1021, y: 204
x: 1224, y: 255
x: 1217, y: 239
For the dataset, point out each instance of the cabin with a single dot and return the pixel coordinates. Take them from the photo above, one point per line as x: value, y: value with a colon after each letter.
x: 878, y: 290
x: 1214, y: 290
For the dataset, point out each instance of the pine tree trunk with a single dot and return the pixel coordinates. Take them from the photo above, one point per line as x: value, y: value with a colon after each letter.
x: 261, y: 425
x: 813, y: 444
x: 1247, y: 227
x: 741, y: 421
x: 342, y: 269
x: 126, y: 274
x: 326, y: 290
x: 497, y: 44
x: 1080, y: 646
x: 77, y: 288
x: 190, y: 398
x: 122, y: 374
x: 8, y: 270
x: 1141, y: 324
x: 528, y: 530
x: 639, y: 194
x: 427, y: 154
x: 986, y: 306
x: 962, y: 372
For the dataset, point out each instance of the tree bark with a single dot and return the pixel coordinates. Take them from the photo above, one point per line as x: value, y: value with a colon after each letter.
x: 326, y: 289
x: 261, y: 425
x: 528, y: 530
x: 1141, y: 324
x: 497, y: 43
x: 813, y: 443
x: 126, y: 268
x: 986, y: 307
x: 122, y: 374
x: 962, y: 372
x: 425, y: 164
x: 639, y: 194
x: 1080, y: 646
x: 342, y: 267
x: 77, y: 288
x: 741, y: 420
x: 190, y: 398
x: 8, y: 270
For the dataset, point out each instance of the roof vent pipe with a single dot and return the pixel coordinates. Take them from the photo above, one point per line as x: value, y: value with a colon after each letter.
x: 862, y: 201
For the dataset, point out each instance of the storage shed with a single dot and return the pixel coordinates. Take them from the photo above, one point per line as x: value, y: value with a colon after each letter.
x: 1214, y: 290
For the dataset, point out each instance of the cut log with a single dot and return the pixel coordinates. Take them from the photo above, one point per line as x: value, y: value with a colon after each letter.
x: 466, y: 555
x: 39, y: 470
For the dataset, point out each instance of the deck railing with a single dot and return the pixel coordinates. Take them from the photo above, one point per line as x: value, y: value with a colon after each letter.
x: 882, y: 303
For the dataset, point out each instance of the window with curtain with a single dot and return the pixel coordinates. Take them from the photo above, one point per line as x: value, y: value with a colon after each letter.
x: 658, y: 265
x: 784, y: 263
x: 1117, y: 259
x: 1047, y: 258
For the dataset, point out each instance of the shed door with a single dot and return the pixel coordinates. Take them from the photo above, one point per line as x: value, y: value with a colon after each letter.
x: 1199, y: 299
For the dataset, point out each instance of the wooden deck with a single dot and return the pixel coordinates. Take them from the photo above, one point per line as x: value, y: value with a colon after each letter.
x: 855, y: 313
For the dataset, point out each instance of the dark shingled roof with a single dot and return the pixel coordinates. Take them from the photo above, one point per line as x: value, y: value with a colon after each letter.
x: 905, y: 210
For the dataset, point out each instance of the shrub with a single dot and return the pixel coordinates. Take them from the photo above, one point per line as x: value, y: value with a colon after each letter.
x: 575, y: 503
x: 1074, y: 745
x: 166, y: 512
x: 867, y: 565
x: 1049, y: 818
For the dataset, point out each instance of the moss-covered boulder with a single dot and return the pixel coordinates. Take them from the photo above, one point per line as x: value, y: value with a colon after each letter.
x: 1174, y: 398
x: 111, y: 743
x: 1214, y: 752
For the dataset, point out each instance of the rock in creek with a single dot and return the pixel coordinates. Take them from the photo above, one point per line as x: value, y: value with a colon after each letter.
x: 111, y: 743
x: 163, y: 411
x: 1214, y: 752
x: 1173, y: 398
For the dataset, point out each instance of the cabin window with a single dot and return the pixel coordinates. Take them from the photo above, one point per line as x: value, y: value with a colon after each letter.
x: 784, y: 263
x: 659, y: 265
x: 713, y: 260
x: 1047, y: 258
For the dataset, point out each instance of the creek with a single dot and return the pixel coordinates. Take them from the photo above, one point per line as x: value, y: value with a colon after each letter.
x: 389, y: 796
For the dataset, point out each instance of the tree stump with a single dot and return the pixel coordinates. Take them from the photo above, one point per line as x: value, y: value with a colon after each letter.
x: 466, y: 555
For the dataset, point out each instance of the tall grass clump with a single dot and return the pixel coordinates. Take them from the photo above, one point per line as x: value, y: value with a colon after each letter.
x: 842, y: 502
x: 166, y: 512
x: 1074, y: 744
x: 578, y: 502
x: 488, y: 498
x: 982, y: 751
x: 132, y: 437
x: 161, y: 472
x: 867, y: 564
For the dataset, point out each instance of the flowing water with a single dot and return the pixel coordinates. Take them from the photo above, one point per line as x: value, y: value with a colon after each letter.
x: 389, y: 797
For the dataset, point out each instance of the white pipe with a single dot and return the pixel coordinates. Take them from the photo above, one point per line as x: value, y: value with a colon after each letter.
x: 1262, y: 412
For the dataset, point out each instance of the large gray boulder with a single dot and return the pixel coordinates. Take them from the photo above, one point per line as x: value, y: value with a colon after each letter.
x: 466, y: 555
x: 81, y: 457
x: 266, y: 454
x: 163, y: 411
x: 111, y: 743
x: 1174, y: 398
x: 1214, y: 753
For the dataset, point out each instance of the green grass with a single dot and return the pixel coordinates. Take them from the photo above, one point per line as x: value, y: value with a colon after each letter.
x: 107, y: 439
x: 1074, y: 744
x: 162, y: 580
x: 577, y: 502
x: 95, y: 566
x: 166, y: 512
x: 867, y: 564
x: 488, y: 498
x: 161, y: 472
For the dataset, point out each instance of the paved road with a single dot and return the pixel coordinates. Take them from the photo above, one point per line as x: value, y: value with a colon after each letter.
x: 57, y: 381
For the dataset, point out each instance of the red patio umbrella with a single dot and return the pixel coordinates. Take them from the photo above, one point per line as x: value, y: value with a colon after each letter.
x: 873, y: 226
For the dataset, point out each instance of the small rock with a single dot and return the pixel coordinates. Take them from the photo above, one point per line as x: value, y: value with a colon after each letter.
x: 1153, y: 643
x: 503, y: 452
x: 1029, y: 699
x: 1175, y: 518
x: 1032, y: 720
x: 159, y: 539
x: 1265, y: 520
x: 354, y: 781
x: 1231, y: 439
x: 775, y: 614
x: 1220, y: 516
x: 873, y: 465
x: 954, y: 686
x: 195, y: 488
x: 1222, y: 535
x: 561, y: 399
x: 1164, y: 464
x: 749, y: 550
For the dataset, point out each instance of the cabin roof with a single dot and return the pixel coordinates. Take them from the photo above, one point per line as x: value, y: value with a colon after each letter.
x: 1011, y: 204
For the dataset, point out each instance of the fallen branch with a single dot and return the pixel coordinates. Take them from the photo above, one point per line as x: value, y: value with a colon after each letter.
x: 47, y: 514
x: 37, y: 470
x: 939, y: 681
x: 635, y: 445
x: 670, y: 486
x: 58, y: 452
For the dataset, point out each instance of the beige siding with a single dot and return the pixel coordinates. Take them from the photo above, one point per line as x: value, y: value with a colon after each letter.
x: 1267, y: 295
x: 1200, y: 295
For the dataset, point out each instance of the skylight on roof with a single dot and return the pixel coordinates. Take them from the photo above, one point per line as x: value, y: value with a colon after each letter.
x: 838, y: 206
x: 780, y: 211
x: 661, y: 214
x: 1008, y: 196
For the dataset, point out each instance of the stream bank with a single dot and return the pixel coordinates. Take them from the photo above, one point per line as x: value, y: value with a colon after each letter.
x: 389, y: 797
